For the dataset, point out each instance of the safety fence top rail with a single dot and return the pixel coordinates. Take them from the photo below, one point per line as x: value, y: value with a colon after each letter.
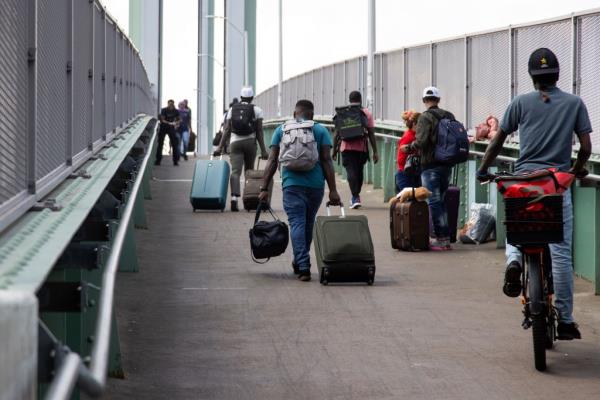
x: 478, y: 74
x: 72, y: 79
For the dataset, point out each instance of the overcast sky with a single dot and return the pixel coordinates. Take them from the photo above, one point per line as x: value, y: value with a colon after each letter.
x: 319, y: 32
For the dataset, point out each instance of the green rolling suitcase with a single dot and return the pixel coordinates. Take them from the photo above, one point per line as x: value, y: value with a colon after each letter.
x: 344, y: 248
x: 209, y: 185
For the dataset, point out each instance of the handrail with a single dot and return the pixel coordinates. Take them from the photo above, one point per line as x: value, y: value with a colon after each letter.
x: 480, y: 154
x: 72, y: 370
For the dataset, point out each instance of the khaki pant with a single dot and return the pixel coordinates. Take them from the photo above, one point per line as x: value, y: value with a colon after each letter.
x: 242, y: 155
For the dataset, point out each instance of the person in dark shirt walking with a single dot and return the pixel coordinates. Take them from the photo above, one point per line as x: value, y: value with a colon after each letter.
x: 169, y: 120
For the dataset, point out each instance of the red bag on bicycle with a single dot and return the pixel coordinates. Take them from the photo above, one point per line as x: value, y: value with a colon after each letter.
x: 535, y: 184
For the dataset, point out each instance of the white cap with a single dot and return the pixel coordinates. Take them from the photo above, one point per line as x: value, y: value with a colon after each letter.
x: 431, y: 91
x: 247, y: 92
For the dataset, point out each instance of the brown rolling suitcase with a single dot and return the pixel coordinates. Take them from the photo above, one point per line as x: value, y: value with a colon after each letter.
x: 253, y: 182
x: 409, y: 225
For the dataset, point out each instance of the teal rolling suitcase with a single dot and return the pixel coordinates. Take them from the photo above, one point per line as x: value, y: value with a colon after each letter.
x: 209, y: 185
x: 344, y: 248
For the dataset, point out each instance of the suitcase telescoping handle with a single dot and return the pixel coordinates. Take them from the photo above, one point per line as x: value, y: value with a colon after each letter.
x: 328, y: 208
x: 212, y: 157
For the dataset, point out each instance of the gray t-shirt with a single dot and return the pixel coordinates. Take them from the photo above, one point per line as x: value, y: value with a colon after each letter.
x: 546, y: 128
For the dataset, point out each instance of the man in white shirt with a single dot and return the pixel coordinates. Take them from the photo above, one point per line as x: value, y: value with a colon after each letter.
x: 243, y: 128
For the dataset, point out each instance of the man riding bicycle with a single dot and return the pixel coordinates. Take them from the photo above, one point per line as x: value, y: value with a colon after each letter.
x: 546, y: 119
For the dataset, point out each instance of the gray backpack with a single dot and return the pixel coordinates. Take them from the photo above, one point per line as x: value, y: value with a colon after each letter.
x: 298, y: 147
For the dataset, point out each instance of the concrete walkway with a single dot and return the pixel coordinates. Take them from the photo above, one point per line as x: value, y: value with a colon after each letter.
x: 202, y: 321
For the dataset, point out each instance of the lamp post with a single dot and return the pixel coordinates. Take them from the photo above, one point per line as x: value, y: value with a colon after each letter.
x: 244, y: 35
x: 370, y: 53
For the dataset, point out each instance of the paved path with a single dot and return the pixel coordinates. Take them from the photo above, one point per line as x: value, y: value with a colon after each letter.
x: 202, y: 321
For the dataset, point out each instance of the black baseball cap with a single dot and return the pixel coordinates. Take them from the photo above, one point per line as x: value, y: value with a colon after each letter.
x: 542, y: 62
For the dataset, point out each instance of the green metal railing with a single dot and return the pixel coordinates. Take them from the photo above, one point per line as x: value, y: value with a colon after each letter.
x: 586, y: 194
x: 66, y: 252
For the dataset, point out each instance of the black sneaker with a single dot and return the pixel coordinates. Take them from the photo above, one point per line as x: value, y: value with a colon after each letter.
x: 567, y: 331
x: 512, y: 280
x: 295, y: 268
x: 176, y: 164
x: 234, y: 206
x: 185, y: 157
x: 304, y: 276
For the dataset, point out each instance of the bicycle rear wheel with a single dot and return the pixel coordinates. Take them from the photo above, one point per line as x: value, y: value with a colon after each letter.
x: 538, y: 311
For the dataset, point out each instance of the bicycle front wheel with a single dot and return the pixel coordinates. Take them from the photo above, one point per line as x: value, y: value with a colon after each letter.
x: 538, y: 315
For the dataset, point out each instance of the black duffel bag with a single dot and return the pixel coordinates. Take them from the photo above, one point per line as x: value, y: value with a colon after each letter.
x: 268, y: 238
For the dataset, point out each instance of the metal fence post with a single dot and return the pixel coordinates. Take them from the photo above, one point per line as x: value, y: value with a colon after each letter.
x: 512, y: 55
x: 405, y: 78
x: 468, y: 78
x: 69, y: 71
x: 432, y: 63
x: 32, y: 94
x: 575, y: 54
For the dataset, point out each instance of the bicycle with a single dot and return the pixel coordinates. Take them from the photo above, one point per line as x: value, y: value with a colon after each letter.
x: 533, y: 220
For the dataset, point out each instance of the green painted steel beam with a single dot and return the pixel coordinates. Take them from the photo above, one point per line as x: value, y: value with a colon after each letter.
x: 31, y: 247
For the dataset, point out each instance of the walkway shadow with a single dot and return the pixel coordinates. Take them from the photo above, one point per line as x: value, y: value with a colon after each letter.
x: 579, y: 360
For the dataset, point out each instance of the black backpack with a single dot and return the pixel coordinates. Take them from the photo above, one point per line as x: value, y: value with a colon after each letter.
x: 243, y: 119
x: 350, y: 122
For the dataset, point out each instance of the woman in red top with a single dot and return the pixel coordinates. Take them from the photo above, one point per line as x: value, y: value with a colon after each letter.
x: 404, y: 180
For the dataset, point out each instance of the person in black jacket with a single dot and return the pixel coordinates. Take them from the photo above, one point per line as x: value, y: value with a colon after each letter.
x: 169, y: 121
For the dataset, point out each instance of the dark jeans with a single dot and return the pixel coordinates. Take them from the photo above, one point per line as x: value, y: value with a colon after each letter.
x: 301, y: 205
x: 436, y: 180
x: 406, y: 180
x: 174, y: 138
x: 354, y: 162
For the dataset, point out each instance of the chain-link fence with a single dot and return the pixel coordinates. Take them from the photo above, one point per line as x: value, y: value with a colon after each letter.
x: 70, y: 79
x: 477, y: 74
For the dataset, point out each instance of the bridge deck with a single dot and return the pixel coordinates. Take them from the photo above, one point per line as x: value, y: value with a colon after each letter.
x: 202, y: 321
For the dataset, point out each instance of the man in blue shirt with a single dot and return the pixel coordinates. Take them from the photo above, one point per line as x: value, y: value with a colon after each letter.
x: 546, y: 119
x: 303, y: 191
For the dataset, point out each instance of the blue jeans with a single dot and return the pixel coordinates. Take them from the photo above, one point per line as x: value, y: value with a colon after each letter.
x: 406, y: 180
x: 562, y: 264
x: 185, y: 141
x: 301, y: 205
x: 436, y: 180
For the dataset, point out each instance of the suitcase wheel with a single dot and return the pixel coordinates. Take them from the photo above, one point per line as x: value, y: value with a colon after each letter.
x: 370, y: 282
x: 324, y: 275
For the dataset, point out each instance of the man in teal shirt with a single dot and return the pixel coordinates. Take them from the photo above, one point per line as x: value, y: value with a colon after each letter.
x: 303, y: 191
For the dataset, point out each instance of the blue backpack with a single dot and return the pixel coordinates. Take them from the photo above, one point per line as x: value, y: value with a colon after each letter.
x: 452, y: 146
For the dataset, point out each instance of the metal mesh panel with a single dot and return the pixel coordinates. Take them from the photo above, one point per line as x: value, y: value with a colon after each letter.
x: 327, y: 90
x: 556, y: 37
x: 99, y: 90
x: 362, y: 79
x: 450, y: 75
x: 286, y: 107
x: 110, y: 75
x: 377, y: 86
x: 589, y: 42
x: 119, y: 83
x: 352, y: 75
x: 339, y: 95
x: 419, y: 75
x: 394, y: 85
x: 13, y: 96
x: 82, y: 84
x: 308, y: 85
x: 318, y: 91
x: 300, y: 94
x: 490, y: 81
x: 52, y: 99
